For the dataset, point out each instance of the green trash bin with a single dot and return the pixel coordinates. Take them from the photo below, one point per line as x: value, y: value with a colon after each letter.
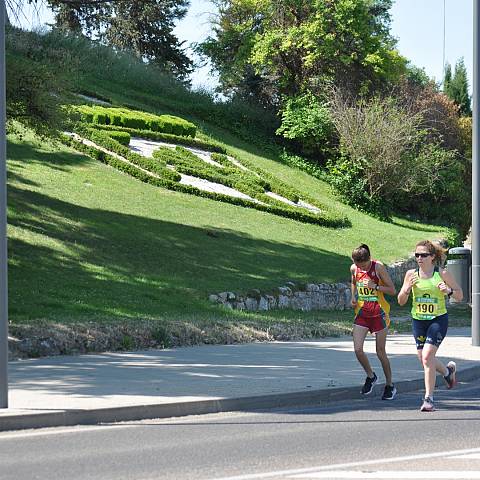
x: 459, y: 264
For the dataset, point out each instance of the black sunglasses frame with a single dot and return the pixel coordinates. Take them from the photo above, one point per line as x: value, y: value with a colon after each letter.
x: 423, y: 255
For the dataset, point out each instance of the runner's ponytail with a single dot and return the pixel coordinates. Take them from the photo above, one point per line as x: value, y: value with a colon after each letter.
x: 361, y: 253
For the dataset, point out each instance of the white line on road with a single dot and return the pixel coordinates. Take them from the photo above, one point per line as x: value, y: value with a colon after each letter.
x: 388, y: 474
x: 12, y: 434
x: 337, y: 466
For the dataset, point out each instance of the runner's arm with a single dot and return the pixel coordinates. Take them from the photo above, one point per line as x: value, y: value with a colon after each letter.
x: 450, y: 286
x: 386, y: 285
x: 404, y: 292
x: 353, y: 286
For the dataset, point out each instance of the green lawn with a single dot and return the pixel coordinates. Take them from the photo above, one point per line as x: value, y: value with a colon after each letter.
x: 89, y: 243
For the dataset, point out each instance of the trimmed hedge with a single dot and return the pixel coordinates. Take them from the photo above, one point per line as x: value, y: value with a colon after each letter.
x: 123, y: 117
x: 222, y: 159
x: 231, y: 176
x: 165, y: 137
x: 327, y: 219
x: 275, y: 185
x: 104, y: 140
x: 120, y: 137
x: 249, y: 183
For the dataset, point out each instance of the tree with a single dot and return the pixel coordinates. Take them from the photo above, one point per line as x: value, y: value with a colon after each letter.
x: 275, y: 48
x: 142, y: 26
x: 457, y: 88
x: 447, y: 79
x: 438, y: 111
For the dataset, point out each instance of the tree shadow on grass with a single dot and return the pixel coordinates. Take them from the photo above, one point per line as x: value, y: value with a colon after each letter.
x: 24, y: 152
x: 83, y: 262
x: 409, y: 224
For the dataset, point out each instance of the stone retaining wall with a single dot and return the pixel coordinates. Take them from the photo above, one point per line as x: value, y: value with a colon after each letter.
x: 306, y: 297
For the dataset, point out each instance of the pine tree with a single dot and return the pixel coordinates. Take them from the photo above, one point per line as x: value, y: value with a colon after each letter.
x: 457, y: 88
x: 447, y: 79
x: 144, y: 27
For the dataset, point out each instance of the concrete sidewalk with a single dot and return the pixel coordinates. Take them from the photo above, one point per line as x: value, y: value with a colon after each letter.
x: 109, y: 387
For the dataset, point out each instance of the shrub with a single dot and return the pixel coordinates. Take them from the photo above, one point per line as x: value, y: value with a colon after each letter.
x: 391, y: 162
x: 101, y: 118
x: 375, y: 136
x: 32, y: 89
x: 348, y: 180
x: 306, y: 121
x: 439, y: 113
x: 326, y: 218
x: 465, y: 128
x: 221, y: 158
x: 121, y: 137
x: 136, y: 120
x: 441, y: 190
x: 296, y: 161
x: 103, y: 139
x: 165, y: 137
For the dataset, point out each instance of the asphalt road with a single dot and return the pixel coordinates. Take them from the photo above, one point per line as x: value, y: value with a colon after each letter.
x: 361, y: 439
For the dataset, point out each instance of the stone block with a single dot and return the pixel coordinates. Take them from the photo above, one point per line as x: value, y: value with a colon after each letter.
x: 283, y: 301
x: 263, y: 304
x: 251, y: 304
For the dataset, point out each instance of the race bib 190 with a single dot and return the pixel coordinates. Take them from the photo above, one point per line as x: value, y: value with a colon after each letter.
x: 426, y: 308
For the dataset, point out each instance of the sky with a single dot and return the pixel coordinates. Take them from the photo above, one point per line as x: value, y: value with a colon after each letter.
x: 418, y: 26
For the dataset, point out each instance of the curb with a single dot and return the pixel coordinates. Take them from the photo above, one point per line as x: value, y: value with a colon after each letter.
x: 64, y: 418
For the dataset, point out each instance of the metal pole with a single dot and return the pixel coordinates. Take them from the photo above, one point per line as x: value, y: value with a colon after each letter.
x: 3, y: 222
x: 475, y: 181
x: 444, y: 23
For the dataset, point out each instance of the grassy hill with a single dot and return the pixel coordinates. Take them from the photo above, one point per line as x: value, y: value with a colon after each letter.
x: 90, y: 244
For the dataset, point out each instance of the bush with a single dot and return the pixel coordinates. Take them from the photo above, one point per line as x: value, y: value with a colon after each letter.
x: 306, y: 121
x: 465, y: 128
x: 326, y: 218
x: 442, y: 192
x: 391, y: 163
x: 348, y: 179
x: 439, y: 113
x: 300, y: 163
x: 136, y: 120
x: 120, y: 137
x: 375, y: 136
x: 32, y: 89
x: 104, y: 140
x: 165, y: 137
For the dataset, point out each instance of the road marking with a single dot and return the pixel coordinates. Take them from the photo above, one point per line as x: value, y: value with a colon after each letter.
x: 388, y: 474
x: 12, y: 435
x: 337, y: 466
x: 471, y: 456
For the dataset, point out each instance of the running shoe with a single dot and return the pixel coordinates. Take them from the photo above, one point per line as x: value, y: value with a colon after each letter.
x: 450, y: 379
x: 427, y: 405
x: 389, y: 392
x: 368, y: 385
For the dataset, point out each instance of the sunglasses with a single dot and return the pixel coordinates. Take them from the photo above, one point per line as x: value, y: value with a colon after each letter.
x: 423, y: 255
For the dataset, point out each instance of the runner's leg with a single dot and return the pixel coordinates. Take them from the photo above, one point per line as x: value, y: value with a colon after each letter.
x: 429, y: 362
x: 359, y: 334
x: 380, y: 342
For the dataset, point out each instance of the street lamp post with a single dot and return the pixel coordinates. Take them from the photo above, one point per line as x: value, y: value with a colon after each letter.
x: 475, y: 181
x: 3, y: 222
